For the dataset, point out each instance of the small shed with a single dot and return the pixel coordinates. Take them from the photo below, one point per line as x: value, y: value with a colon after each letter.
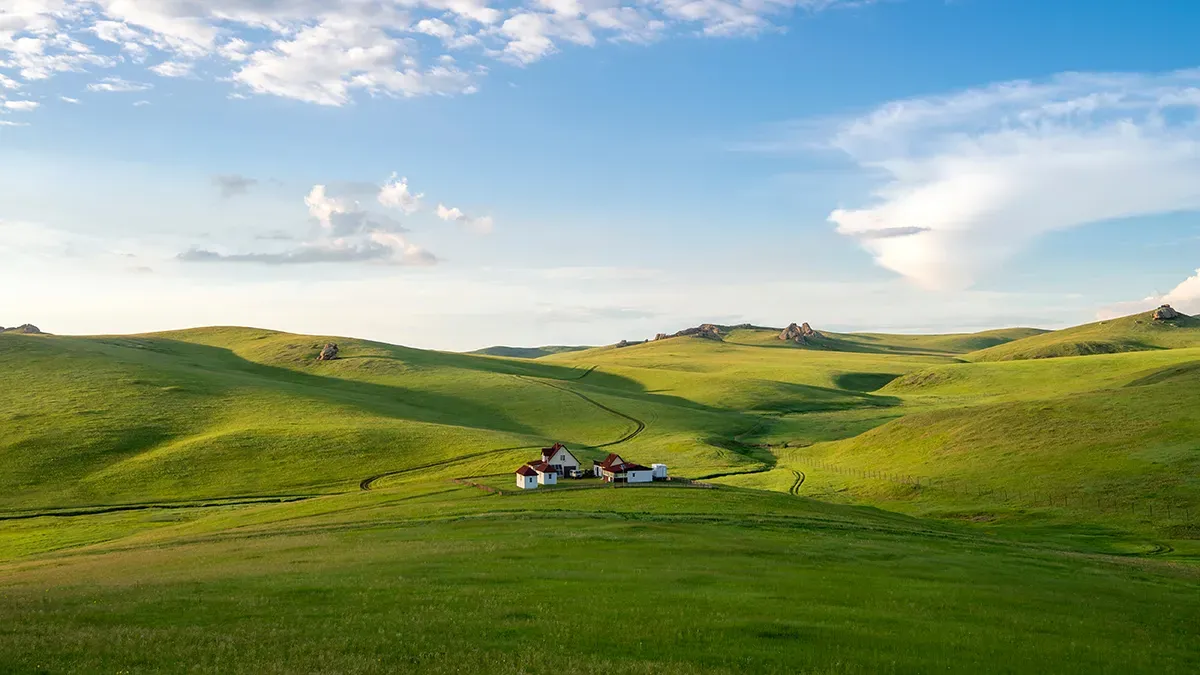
x: 660, y: 471
x: 527, y: 478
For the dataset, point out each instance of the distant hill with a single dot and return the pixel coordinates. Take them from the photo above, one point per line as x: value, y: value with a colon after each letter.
x: 885, y: 343
x: 1136, y: 333
x: 527, y: 352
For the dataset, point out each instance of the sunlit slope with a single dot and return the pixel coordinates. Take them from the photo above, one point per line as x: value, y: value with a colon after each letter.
x: 220, y: 412
x: 1094, y: 431
x: 437, y: 578
x: 1139, y: 332
x: 886, y: 343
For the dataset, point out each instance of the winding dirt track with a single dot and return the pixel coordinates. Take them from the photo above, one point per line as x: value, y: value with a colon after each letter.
x: 795, y: 489
x: 639, y: 427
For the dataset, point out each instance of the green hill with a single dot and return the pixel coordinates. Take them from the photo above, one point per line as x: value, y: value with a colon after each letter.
x: 527, y: 352
x: 1140, y: 332
x: 856, y: 496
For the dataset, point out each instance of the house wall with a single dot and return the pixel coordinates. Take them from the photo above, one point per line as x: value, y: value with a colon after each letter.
x: 640, y: 476
x: 526, y: 482
x: 565, y: 460
x: 548, y: 478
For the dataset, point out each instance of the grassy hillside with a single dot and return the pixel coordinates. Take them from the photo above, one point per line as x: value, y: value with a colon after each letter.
x: 1139, y: 332
x: 287, y: 515
x: 885, y: 343
x: 685, y: 581
x: 527, y: 352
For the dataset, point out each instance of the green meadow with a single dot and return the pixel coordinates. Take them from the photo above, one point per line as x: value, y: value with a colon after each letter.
x: 217, y: 500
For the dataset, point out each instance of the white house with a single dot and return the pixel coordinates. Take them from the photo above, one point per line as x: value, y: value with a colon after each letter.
x: 614, y: 469
x: 527, y: 478
x: 560, y: 459
x: 546, y: 475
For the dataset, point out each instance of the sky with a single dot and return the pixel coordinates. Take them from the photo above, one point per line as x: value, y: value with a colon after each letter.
x: 454, y: 174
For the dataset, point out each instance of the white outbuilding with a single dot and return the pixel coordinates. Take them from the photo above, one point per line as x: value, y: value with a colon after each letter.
x: 546, y: 474
x: 660, y: 471
x: 527, y: 478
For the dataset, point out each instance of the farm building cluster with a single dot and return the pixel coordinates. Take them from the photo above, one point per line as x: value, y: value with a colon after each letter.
x: 558, y: 462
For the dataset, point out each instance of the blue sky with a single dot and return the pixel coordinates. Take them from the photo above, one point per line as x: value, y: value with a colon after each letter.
x: 455, y: 173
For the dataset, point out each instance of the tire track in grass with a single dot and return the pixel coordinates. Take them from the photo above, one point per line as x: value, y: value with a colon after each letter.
x: 795, y: 489
x: 639, y: 427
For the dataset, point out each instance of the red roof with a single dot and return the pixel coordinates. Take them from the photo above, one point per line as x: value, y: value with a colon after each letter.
x: 540, y: 466
x: 637, y: 467
x: 612, y: 460
x: 526, y: 471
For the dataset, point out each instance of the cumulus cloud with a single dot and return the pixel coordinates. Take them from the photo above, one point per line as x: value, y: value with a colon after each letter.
x: 348, y: 233
x: 324, y: 51
x: 395, y: 194
x: 973, y: 177
x: 232, y: 185
x: 1185, y: 297
x: 482, y: 225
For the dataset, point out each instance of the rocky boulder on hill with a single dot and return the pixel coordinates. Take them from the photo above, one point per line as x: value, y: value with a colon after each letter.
x: 661, y: 336
x: 801, y: 334
x: 25, y: 329
x: 707, y: 331
x: 1167, y: 313
x: 328, y: 353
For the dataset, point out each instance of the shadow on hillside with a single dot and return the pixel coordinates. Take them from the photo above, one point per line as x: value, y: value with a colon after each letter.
x: 864, y: 382
x: 227, y: 371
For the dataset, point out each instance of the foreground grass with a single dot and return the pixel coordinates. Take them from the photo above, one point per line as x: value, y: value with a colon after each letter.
x: 631, y: 580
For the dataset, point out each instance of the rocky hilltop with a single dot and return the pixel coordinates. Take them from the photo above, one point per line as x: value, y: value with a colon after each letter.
x: 801, y: 335
x: 708, y: 331
x: 1168, y: 313
x: 24, y: 329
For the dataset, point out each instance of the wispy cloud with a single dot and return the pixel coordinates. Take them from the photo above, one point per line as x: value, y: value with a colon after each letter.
x: 232, y: 185
x: 971, y: 178
x: 118, y: 85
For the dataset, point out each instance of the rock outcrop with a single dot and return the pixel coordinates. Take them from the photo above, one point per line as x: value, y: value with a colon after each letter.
x: 328, y: 353
x: 661, y: 336
x: 802, y: 334
x: 707, y: 331
x: 1167, y: 313
x: 25, y: 329
x: 628, y: 343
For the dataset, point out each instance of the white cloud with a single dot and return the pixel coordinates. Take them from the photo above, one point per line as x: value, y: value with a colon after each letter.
x: 68, y: 99
x: 974, y: 177
x: 118, y: 85
x: 349, y: 233
x: 172, y: 69
x: 326, y: 51
x: 9, y: 123
x: 1185, y: 297
x: 21, y: 106
x: 395, y: 194
x: 482, y: 225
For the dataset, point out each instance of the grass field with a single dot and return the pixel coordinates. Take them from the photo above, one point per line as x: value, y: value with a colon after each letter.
x: 217, y: 500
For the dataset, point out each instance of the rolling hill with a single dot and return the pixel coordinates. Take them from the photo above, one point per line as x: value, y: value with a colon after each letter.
x: 527, y: 352
x: 856, y: 495
x: 1140, y: 332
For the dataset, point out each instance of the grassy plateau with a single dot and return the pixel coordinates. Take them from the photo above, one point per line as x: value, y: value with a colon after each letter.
x: 217, y: 500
